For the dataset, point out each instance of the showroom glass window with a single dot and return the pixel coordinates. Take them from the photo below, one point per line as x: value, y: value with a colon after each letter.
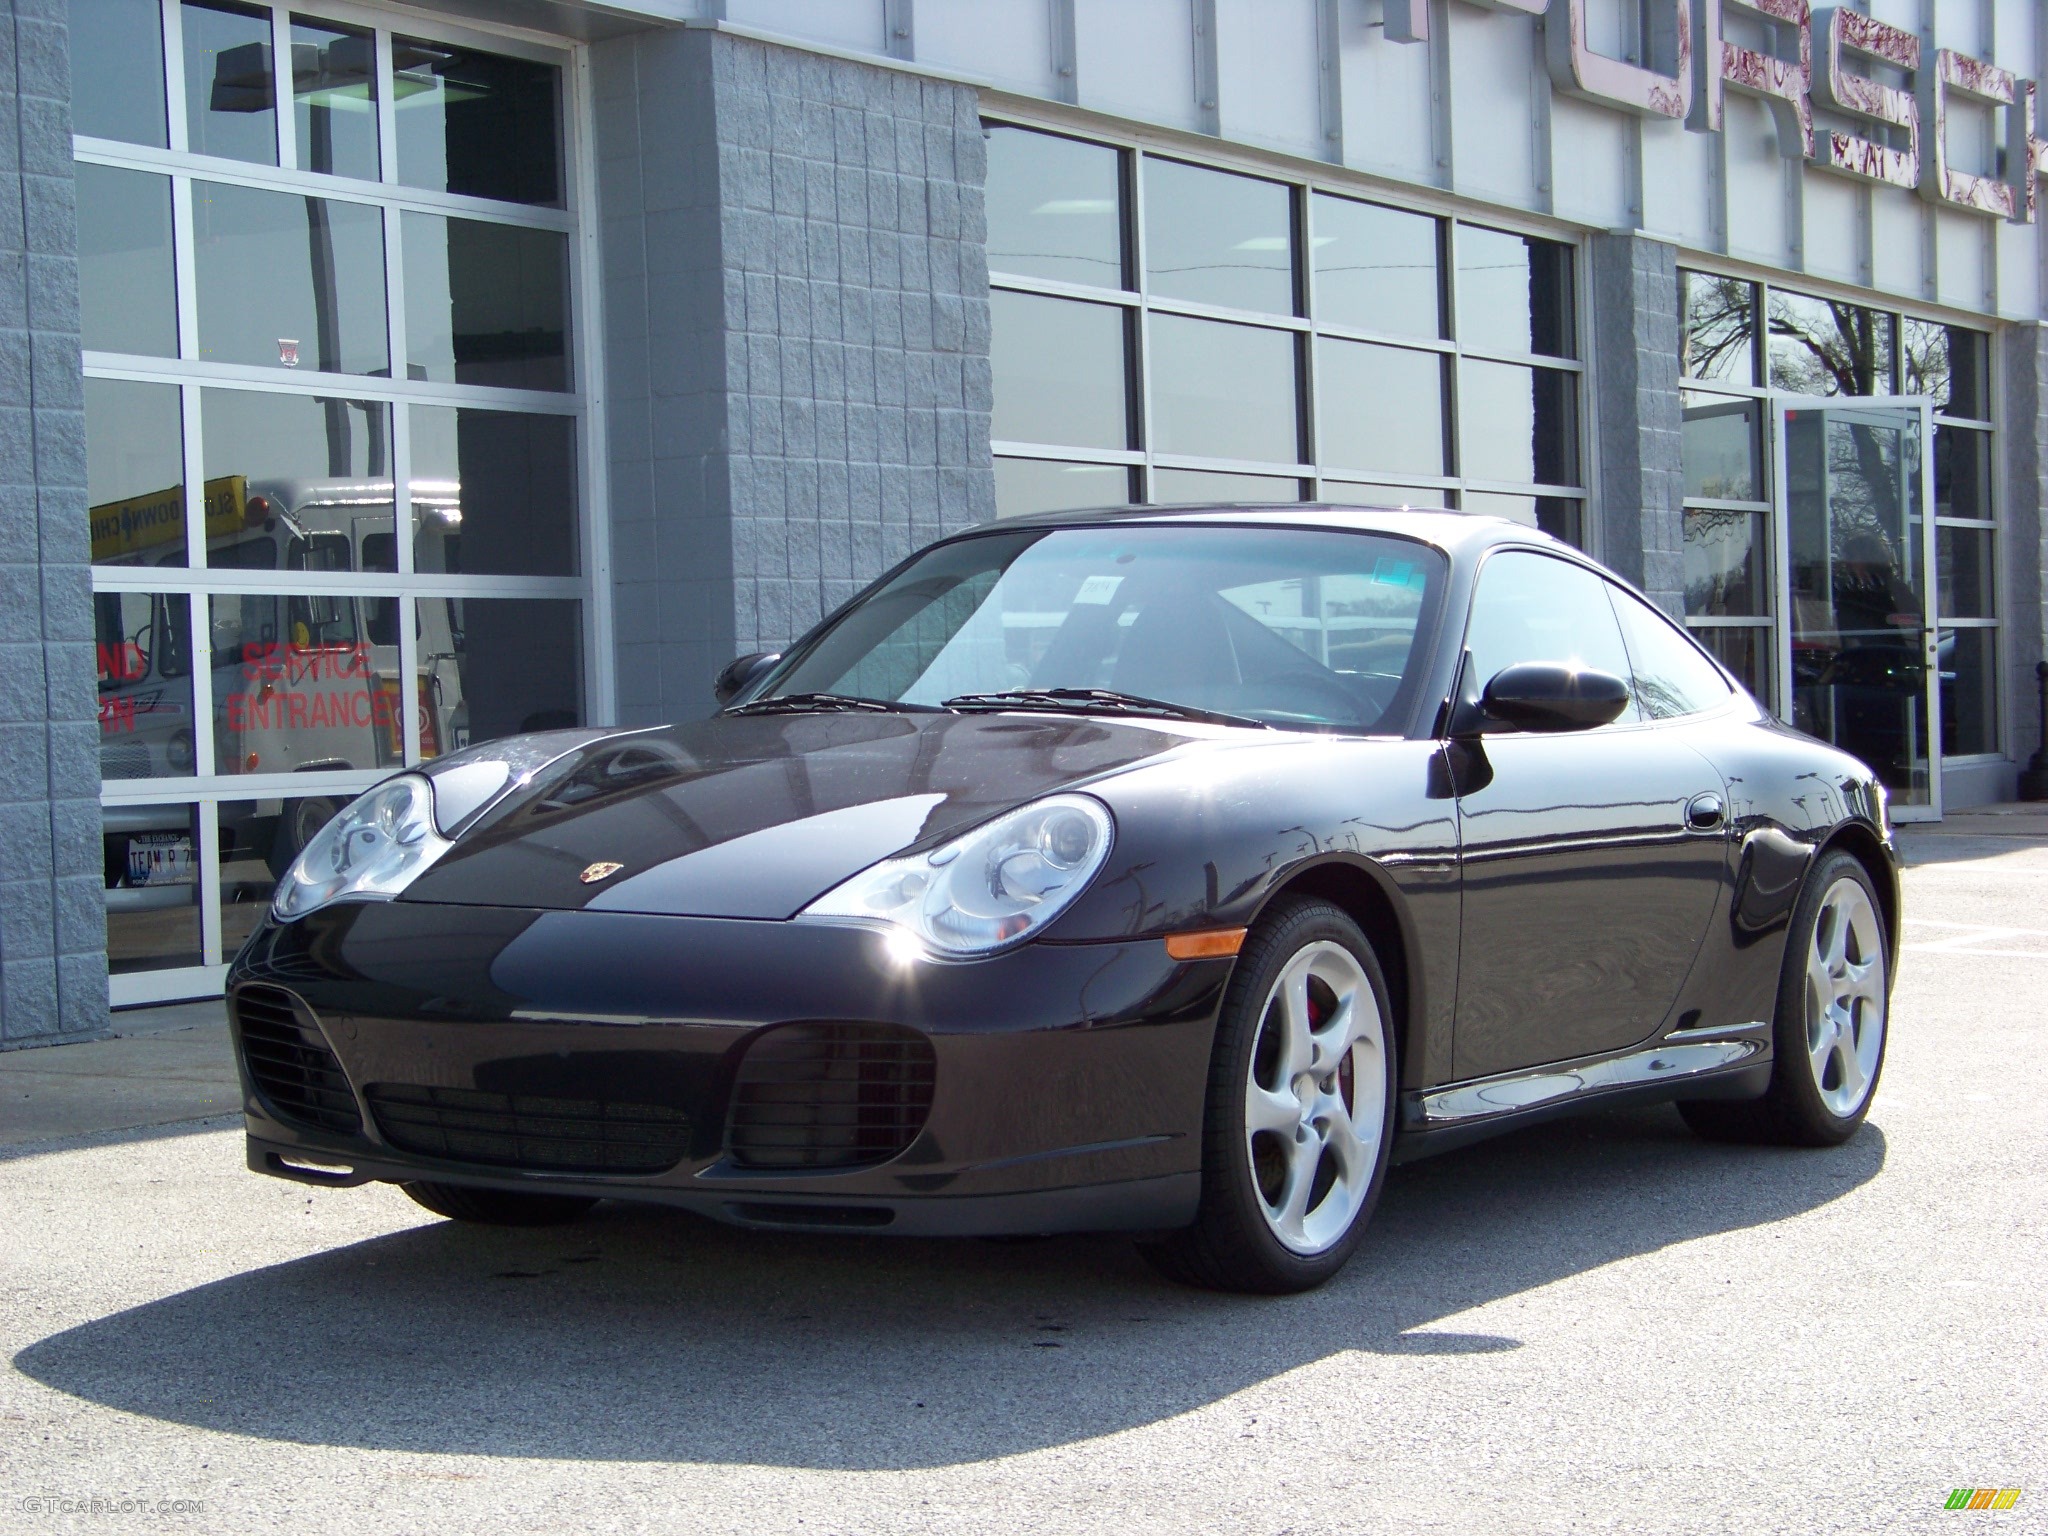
x: 1952, y: 366
x: 1172, y: 331
x: 1727, y: 527
x: 1742, y: 343
x: 334, y: 433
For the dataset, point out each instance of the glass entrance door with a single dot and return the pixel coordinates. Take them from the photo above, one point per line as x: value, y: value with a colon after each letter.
x: 1860, y: 666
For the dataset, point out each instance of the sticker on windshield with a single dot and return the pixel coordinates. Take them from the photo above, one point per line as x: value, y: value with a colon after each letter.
x: 1098, y: 590
x: 1389, y: 572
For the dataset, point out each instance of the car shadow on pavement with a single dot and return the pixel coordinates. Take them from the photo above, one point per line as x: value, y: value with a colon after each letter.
x: 645, y: 1334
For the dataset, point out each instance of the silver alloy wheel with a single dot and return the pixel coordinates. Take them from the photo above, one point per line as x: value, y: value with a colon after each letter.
x: 1316, y: 1098
x: 1845, y: 997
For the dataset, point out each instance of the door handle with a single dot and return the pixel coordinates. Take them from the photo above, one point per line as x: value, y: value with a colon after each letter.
x: 1705, y: 813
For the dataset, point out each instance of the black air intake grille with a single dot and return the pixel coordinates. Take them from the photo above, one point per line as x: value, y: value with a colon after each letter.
x: 830, y: 1096
x: 290, y: 1064
x: 520, y: 1130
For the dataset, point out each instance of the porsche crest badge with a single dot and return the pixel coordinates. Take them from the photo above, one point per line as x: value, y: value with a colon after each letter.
x: 603, y: 870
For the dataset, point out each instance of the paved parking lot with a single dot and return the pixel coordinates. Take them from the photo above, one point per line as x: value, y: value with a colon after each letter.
x: 1603, y: 1325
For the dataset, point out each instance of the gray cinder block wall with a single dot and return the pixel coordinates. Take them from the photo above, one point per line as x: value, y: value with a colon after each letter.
x: 797, y: 337
x: 53, y: 968
x: 1633, y: 336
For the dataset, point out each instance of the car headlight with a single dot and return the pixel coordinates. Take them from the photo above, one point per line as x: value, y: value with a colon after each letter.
x: 987, y: 890
x: 373, y: 850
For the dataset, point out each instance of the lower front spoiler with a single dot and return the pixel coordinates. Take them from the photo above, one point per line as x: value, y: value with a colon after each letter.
x: 1154, y: 1204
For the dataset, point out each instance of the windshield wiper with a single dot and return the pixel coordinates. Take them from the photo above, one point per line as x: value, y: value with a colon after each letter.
x: 807, y: 703
x: 1104, y: 701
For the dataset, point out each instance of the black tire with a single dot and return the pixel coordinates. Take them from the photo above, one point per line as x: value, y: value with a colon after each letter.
x: 499, y: 1207
x: 1232, y: 1245
x: 296, y: 824
x: 1792, y: 1111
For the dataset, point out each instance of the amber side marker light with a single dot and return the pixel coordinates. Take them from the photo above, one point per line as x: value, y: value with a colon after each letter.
x: 1205, y: 943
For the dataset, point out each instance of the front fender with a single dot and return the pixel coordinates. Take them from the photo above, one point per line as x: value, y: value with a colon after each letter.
x: 1208, y: 841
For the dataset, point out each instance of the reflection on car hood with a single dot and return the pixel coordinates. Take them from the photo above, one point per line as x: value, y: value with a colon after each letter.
x: 754, y: 816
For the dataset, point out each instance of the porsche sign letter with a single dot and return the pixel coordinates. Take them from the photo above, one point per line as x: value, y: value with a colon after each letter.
x: 1687, y: 78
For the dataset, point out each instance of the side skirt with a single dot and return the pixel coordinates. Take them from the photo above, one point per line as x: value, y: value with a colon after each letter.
x: 1724, y: 1062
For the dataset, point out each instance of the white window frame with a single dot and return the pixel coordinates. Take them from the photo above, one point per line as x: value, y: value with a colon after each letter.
x: 1303, y: 184
x: 577, y: 217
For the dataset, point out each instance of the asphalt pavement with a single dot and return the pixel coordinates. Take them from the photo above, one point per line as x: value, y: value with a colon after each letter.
x: 1603, y: 1325
x: 161, y: 1066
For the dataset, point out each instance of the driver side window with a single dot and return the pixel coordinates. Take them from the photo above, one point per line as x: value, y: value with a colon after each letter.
x: 1672, y: 676
x: 1532, y: 607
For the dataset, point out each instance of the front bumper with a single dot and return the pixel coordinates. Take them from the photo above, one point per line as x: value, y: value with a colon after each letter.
x: 1068, y: 1080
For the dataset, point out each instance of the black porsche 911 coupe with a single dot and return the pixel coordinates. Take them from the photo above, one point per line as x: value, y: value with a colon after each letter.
x: 1170, y: 871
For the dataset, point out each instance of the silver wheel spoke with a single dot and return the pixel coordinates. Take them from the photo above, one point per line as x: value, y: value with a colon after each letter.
x: 1338, y: 1034
x: 1304, y: 1156
x: 1298, y: 1046
x: 1838, y: 942
x: 1267, y: 1110
x: 1851, y: 1080
x: 1340, y: 1137
x: 1822, y: 1050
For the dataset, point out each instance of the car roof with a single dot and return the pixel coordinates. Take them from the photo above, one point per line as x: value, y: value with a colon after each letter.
x: 1449, y: 531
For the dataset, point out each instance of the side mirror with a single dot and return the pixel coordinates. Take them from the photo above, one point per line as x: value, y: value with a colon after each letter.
x: 741, y: 673
x: 1549, y: 696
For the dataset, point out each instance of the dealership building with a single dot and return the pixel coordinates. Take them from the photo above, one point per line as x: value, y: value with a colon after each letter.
x: 381, y: 380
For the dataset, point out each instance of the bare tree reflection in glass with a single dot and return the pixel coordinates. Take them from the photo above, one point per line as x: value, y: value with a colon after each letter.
x: 1723, y: 563
x: 1719, y: 321
x: 1858, y: 587
x: 1824, y: 347
x: 1924, y: 354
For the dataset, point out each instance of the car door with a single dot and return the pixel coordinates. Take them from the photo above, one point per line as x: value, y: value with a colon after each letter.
x: 1591, y: 859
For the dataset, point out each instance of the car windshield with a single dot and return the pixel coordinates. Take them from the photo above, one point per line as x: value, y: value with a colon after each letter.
x: 1287, y: 627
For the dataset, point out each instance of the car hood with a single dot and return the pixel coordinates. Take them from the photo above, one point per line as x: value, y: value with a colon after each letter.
x: 746, y: 815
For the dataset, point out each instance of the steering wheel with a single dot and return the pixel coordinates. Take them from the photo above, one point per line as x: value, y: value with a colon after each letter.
x: 1315, y: 695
